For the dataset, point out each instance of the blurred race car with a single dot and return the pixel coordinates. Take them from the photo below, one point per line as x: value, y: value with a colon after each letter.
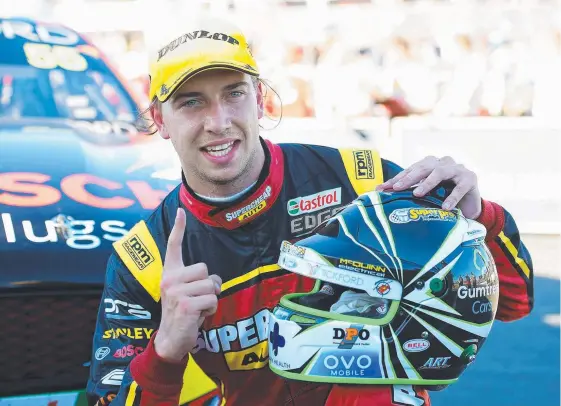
x: 76, y: 172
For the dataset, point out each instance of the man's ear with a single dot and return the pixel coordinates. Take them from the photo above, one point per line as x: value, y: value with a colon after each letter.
x: 260, y: 102
x: 156, y: 113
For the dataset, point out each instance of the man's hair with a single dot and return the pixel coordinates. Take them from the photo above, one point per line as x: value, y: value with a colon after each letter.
x: 150, y: 127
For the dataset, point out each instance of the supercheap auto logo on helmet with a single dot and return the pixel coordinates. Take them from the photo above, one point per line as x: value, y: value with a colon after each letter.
x: 419, y: 294
x: 416, y: 214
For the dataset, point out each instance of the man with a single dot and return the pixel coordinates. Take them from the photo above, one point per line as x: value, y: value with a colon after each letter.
x: 185, y: 307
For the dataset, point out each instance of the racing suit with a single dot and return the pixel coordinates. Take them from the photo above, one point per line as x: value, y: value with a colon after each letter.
x: 299, y: 187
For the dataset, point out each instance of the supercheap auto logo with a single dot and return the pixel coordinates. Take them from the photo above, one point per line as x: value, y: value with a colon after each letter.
x: 138, y: 251
x: 244, y: 343
x: 316, y: 201
x: 252, y: 209
x: 406, y: 215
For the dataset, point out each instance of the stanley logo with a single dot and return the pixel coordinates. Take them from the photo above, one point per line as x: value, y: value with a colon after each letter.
x: 138, y: 251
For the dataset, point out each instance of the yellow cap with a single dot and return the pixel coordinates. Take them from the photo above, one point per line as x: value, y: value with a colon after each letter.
x: 211, y: 44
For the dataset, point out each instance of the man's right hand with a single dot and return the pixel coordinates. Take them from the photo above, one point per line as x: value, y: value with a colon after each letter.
x: 188, y: 295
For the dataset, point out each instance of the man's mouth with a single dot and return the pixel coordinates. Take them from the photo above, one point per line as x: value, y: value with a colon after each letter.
x: 219, y: 150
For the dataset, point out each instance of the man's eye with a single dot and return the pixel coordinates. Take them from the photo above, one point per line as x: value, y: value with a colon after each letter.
x: 237, y: 93
x: 190, y: 103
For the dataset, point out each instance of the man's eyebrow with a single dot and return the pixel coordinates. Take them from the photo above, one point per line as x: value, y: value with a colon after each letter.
x: 234, y: 85
x: 180, y: 95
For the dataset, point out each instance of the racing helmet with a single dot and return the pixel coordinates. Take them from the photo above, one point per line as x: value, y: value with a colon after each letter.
x: 420, y: 293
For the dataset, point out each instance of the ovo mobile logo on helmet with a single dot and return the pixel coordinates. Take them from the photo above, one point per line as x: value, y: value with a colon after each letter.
x: 310, y: 203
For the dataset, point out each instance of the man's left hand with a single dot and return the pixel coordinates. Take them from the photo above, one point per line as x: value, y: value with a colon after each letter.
x: 429, y: 172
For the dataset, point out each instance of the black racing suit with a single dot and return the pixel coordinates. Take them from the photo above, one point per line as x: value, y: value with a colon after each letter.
x: 240, y: 242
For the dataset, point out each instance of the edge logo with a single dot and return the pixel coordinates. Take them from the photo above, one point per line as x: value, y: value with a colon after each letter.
x: 138, y: 251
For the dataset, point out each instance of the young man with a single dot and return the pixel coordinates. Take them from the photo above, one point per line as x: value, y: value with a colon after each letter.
x: 199, y: 275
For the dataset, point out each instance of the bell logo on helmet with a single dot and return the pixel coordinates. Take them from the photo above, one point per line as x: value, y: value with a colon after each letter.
x: 416, y: 345
x: 317, y: 201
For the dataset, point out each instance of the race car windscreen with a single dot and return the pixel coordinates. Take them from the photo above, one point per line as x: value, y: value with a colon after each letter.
x: 50, y: 71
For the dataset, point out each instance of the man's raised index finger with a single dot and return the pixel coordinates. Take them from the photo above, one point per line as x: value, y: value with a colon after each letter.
x: 174, y: 254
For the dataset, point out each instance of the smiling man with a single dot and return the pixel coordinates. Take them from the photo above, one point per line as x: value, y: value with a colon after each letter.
x: 204, y: 267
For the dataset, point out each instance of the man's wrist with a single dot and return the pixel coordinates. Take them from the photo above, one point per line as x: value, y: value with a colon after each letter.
x: 157, y: 375
x: 166, y: 351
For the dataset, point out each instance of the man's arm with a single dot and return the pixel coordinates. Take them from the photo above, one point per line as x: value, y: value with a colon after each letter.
x: 125, y: 368
x: 512, y: 259
x: 514, y: 264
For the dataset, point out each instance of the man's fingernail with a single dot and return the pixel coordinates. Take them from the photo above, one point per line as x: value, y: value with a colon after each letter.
x: 218, y: 286
x: 446, y: 206
x: 418, y: 191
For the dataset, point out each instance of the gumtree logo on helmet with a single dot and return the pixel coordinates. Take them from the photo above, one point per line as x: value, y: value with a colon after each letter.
x: 317, y: 201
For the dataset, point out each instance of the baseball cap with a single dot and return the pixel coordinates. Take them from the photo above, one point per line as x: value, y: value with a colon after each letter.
x: 207, y: 43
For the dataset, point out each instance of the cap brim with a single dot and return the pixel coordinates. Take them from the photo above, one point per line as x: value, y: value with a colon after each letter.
x: 184, y: 76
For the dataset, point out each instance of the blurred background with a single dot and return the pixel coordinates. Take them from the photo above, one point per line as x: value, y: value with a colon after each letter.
x: 479, y: 80
x: 392, y: 58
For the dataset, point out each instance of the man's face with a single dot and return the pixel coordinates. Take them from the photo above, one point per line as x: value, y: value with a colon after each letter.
x: 212, y: 121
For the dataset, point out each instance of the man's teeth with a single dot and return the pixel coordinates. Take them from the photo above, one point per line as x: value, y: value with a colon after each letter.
x: 220, y: 150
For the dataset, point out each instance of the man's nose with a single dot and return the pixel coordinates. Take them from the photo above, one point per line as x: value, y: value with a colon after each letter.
x: 218, y: 119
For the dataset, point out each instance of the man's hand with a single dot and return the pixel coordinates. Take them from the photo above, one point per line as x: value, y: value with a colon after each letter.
x: 189, y: 294
x: 429, y: 172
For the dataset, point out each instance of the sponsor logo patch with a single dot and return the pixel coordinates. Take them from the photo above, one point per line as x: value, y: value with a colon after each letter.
x: 406, y: 215
x: 416, y: 345
x: 317, y: 201
x: 101, y: 353
x: 137, y: 250
x: 252, y: 209
x: 364, y: 164
x: 136, y: 333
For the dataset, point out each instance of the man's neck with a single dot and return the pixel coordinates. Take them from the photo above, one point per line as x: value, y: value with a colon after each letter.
x: 217, y: 190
